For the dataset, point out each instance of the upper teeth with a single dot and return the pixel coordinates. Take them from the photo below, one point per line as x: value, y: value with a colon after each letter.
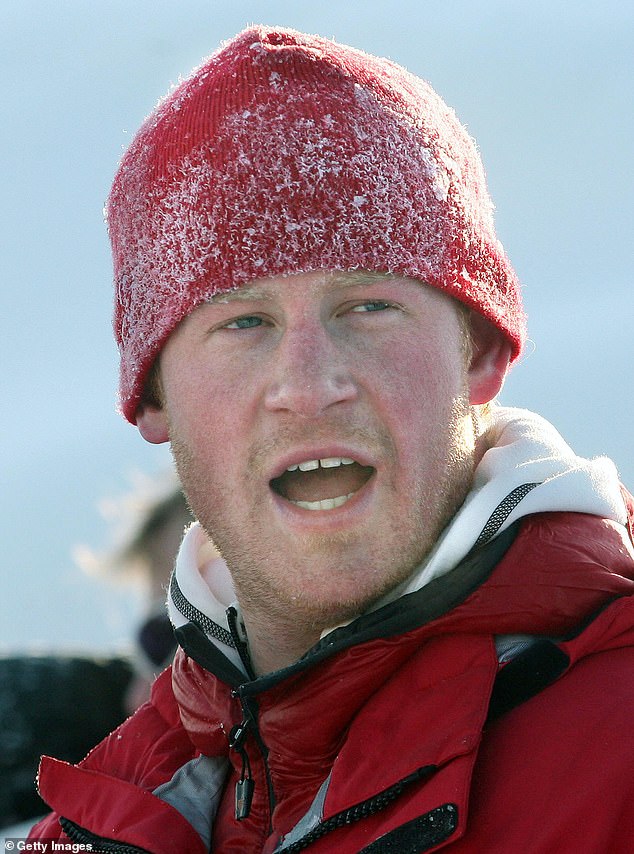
x: 325, y: 463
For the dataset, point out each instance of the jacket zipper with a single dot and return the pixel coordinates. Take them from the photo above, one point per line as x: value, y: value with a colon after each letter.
x: 245, y: 786
x: 97, y: 844
x: 240, y: 643
x: 237, y: 737
x: 365, y: 809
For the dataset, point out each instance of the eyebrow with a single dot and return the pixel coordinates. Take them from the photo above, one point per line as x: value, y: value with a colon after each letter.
x: 350, y: 278
x: 338, y: 278
x: 241, y: 292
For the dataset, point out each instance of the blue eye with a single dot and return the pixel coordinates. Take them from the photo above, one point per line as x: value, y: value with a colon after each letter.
x: 372, y: 305
x: 247, y: 322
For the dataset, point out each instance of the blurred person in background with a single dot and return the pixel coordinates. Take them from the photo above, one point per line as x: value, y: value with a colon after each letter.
x: 147, y: 526
x: 63, y: 704
x: 423, y: 635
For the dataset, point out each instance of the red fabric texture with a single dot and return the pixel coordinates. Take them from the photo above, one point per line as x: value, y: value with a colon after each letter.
x: 555, y: 774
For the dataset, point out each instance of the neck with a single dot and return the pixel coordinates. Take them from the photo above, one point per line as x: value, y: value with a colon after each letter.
x: 273, y: 647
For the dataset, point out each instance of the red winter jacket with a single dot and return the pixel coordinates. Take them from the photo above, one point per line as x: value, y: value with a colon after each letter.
x: 400, y: 733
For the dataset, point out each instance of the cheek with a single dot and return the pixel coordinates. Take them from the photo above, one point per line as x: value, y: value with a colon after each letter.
x: 422, y: 397
x: 417, y: 382
x: 204, y: 399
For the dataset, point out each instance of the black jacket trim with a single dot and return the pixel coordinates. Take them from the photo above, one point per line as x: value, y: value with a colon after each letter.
x: 526, y: 675
x: 197, y: 645
x: 418, y: 835
x: 360, y: 811
x: 97, y: 844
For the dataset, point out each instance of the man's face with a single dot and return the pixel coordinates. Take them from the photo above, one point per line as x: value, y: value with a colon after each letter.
x: 365, y: 374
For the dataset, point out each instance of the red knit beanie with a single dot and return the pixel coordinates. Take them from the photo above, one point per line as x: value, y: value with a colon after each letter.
x: 287, y: 153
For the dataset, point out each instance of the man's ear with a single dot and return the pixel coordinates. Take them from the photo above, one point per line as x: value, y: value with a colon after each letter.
x: 152, y: 423
x: 490, y: 358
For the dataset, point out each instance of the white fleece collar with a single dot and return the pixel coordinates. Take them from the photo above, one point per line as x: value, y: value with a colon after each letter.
x: 528, y: 469
x: 204, y: 581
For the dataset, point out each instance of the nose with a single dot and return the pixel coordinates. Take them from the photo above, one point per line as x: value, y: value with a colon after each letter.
x: 309, y: 374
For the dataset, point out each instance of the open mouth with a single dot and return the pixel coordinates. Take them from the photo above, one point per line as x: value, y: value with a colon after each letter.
x: 322, y: 484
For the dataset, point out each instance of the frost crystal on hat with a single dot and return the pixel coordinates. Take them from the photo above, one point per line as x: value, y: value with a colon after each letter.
x: 287, y: 153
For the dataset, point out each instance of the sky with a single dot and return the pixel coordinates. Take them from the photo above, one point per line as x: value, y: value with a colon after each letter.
x: 544, y: 87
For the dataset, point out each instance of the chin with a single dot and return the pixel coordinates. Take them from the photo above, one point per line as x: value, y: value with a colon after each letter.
x: 337, y: 601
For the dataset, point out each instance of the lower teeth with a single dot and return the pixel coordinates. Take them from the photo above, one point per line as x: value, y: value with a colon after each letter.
x: 325, y: 504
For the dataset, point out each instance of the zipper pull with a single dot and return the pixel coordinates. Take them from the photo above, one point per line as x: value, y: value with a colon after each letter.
x: 244, y: 796
x: 246, y: 784
x: 239, y: 638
